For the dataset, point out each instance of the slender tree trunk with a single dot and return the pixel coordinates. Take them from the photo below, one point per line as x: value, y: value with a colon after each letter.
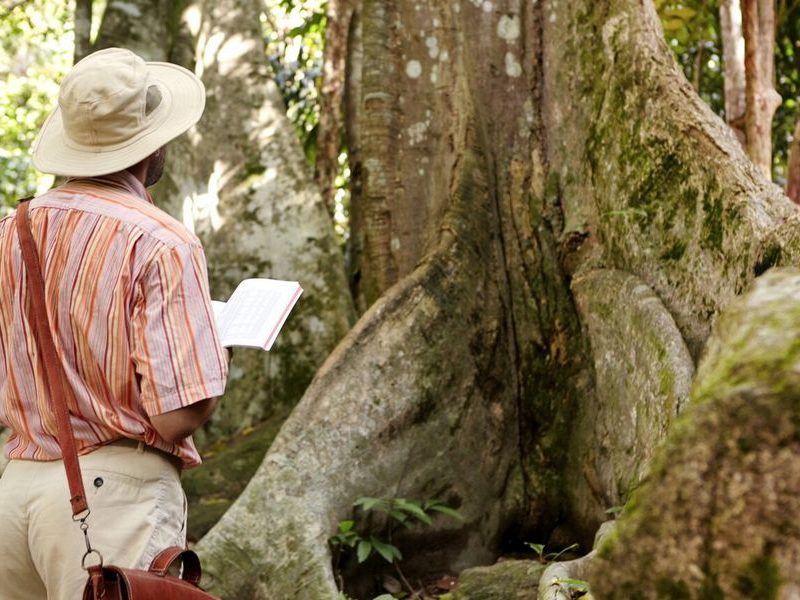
x: 339, y: 15
x: 352, y: 101
x: 760, y: 96
x: 730, y: 12
x: 793, y: 167
x: 83, y: 28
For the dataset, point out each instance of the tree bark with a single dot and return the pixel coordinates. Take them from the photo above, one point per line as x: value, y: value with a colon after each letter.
x: 339, y: 17
x: 735, y: 455
x: 143, y: 26
x: 730, y: 12
x: 83, y: 29
x: 761, y: 98
x: 793, y: 167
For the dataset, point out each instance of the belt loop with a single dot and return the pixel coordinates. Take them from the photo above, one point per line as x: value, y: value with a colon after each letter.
x: 140, y: 448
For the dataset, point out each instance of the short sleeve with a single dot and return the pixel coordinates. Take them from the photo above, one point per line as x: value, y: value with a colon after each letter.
x: 175, y: 346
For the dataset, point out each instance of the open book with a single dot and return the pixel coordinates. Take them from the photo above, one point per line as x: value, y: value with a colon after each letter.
x: 255, y: 312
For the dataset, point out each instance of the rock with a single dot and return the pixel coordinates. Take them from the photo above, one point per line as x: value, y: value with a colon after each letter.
x: 718, y: 516
x: 506, y: 580
x: 643, y: 372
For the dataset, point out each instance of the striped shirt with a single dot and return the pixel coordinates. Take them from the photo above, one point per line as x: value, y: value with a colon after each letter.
x: 128, y: 301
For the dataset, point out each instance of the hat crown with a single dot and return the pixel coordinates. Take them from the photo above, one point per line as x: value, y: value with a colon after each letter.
x: 114, y: 109
x: 103, y: 99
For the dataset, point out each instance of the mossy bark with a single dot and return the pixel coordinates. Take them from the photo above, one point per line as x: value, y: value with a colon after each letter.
x: 654, y: 183
x: 643, y: 372
x: 718, y: 515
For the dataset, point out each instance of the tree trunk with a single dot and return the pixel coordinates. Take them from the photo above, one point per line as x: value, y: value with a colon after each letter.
x: 143, y: 26
x: 717, y: 517
x: 339, y: 15
x: 730, y: 12
x: 793, y: 168
x: 83, y: 29
x: 760, y: 96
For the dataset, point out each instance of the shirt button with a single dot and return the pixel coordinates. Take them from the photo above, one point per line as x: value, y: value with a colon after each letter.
x: 98, y: 481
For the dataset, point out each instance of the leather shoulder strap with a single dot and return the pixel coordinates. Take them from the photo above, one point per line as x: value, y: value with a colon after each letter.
x: 55, y: 378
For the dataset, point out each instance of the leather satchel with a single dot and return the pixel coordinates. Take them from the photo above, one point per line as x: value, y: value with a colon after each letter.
x: 104, y: 582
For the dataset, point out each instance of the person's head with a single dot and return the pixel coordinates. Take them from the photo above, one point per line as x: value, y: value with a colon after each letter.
x: 117, y: 112
x: 150, y: 169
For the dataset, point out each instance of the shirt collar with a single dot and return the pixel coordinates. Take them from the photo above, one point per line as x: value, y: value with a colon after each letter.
x: 124, y: 180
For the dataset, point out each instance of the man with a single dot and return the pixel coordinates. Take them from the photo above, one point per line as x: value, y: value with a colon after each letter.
x: 127, y: 296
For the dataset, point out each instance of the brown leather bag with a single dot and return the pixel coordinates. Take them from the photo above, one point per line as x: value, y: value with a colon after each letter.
x: 106, y: 582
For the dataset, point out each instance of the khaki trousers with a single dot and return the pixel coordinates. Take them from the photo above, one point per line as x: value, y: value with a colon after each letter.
x: 138, y: 509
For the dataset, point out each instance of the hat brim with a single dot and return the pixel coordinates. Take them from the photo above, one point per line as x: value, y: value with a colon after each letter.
x: 182, y: 104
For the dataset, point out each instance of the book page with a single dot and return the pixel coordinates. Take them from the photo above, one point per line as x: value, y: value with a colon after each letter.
x: 219, y: 308
x: 256, y: 311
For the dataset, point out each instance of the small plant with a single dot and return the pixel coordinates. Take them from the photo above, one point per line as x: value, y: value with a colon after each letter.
x: 399, y: 510
x: 348, y: 537
x: 549, y: 556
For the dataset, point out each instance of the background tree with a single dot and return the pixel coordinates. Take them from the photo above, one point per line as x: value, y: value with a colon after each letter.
x: 761, y: 99
x: 730, y: 12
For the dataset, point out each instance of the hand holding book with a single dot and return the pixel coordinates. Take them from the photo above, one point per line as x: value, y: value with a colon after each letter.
x: 255, y: 312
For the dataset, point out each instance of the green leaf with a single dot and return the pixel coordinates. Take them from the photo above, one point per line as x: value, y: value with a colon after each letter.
x: 614, y: 510
x: 388, y: 551
x: 446, y: 510
x: 579, y: 584
x: 399, y: 515
x: 673, y: 24
x: 345, y: 526
x: 367, y: 503
x: 414, y: 509
x: 384, y: 597
x: 554, y: 555
x: 538, y: 548
x: 364, y: 550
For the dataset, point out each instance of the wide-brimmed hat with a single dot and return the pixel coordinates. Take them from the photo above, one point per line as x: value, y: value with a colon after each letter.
x: 114, y: 109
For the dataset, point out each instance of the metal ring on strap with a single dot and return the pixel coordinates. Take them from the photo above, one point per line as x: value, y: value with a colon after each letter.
x: 86, y: 555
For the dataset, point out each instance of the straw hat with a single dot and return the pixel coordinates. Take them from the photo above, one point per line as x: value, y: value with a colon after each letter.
x: 115, y: 109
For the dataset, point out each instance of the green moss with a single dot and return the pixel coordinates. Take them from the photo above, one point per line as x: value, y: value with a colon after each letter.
x: 770, y: 258
x: 713, y: 230
x: 667, y: 381
x: 761, y: 579
x: 670, y: 589
x: 675, y: 252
